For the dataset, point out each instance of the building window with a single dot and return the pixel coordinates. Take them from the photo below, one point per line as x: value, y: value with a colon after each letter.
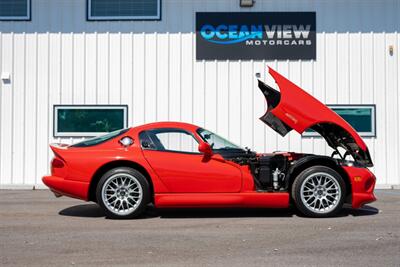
x: 82, y: 121
x: 15, y: 9
x: 124, y: 9
x: 360, y: 117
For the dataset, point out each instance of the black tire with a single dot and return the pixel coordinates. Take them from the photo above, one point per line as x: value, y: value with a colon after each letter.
x: 308, y: 210
x: 139, y: 181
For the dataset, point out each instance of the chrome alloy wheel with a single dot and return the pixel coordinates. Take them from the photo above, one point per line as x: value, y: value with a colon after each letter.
x: 320, y: 192
x: 122, y: 193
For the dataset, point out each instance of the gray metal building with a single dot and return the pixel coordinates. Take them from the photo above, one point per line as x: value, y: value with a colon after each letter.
x: 140, y: 61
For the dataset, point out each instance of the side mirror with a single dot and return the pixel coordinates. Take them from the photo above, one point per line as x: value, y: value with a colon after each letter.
x: 205, y: 148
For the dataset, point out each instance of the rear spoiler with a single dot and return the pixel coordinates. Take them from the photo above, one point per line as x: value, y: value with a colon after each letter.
x: 58, y: 149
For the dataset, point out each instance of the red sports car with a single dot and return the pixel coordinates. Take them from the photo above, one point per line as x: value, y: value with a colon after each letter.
x: 173, y: 164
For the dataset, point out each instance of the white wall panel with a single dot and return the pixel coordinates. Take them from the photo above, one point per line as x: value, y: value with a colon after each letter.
x: 78, y: 69
x: 393, y: 136
x: 46, y: 49
x: 235, y: 101
x: 90, y: 71
x: 247, y: 91
x: 210, y: 95
x: 114, y: 89
x: 162, y: 77
x: 150, y: 86
x: 29, y: 129
x: 222, y: 96
x: 186, y: 76
x: 60, y: 58
x: 18, y: 95
x: 174, y: 74
x: 139, y: 113
x: 127, y: 73
x: 198, y: 92
x: 67, y: 78
x: 7, y: 124
x: 343, y: 68
x: 103, y: 68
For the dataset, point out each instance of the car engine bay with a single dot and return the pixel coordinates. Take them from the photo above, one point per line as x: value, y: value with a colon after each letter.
x: 271, y: 171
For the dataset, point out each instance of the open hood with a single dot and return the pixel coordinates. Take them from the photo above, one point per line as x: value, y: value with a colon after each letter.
x: 293, y: 108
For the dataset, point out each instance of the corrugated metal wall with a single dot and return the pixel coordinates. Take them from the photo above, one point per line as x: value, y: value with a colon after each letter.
x: 60, y: 58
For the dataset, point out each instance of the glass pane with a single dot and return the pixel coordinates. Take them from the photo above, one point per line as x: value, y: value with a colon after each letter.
x: 217, y: 142
x: 13, y: 8
x: 124, y: 8
x: 89, y: 120
x: 359, y: 118
x: 100, y: 139
x: 177, y: 141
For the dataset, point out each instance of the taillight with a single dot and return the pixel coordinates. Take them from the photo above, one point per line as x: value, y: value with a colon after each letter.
x: 57, y: 163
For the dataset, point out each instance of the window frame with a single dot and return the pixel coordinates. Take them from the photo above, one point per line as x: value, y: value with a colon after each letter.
x: 28, y: 16
x: 57, y: 133
x: 89, y: 16
x: 171, y: 130
x: 372, y: 133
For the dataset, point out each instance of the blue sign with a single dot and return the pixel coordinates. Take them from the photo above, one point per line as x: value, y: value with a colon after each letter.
x: 255, y: 35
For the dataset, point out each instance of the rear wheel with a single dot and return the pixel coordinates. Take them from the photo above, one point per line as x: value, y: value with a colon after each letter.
x: 319, y: 191
x: 123, y: 193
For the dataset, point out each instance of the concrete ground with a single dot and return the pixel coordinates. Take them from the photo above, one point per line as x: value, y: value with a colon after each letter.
x: 38, y: 229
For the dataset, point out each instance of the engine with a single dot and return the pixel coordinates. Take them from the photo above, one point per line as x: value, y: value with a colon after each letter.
x: 269, y: 170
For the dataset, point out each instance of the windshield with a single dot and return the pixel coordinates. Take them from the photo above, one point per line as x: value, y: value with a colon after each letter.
x: 217, y: 142
x: 100, y: 139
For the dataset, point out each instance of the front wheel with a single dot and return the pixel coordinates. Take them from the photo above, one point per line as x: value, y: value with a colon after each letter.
x: 123, y: 193
x: 319, y: 191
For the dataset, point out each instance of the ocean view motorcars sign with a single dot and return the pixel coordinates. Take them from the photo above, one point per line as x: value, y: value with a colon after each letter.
x: 255, y: 35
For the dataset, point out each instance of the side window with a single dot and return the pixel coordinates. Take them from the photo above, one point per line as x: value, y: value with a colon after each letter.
x: 169, y: 140
x: 145, y: 141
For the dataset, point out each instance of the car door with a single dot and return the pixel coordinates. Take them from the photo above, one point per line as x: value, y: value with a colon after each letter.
x: 173, y: 154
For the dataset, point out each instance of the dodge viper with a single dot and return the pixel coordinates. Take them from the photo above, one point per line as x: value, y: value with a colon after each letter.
x: 175, y: 164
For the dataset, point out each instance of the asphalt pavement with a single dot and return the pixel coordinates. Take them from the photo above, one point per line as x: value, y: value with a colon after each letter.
x: 36, y: 229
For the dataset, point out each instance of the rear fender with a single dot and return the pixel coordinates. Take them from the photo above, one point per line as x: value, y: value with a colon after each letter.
x: 153, y: 183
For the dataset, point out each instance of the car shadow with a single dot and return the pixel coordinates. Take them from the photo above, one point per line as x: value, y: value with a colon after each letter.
x: 223, y: 213
x: 85, y: 210
x: 95, y: 211
x: 366, y: 210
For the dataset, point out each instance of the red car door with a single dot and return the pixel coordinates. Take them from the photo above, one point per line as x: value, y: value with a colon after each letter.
x: 173, y: 155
